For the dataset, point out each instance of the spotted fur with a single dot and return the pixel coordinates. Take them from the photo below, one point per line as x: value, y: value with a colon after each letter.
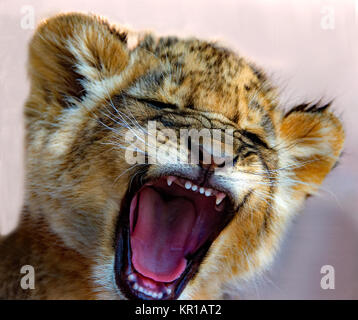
x: 87, y: 87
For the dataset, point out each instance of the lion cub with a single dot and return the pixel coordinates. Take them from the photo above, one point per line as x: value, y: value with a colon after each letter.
x: 105, y: 219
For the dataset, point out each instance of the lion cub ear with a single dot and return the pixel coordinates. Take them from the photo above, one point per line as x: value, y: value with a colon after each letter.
x: 71, y: 50
x: 312, y: 143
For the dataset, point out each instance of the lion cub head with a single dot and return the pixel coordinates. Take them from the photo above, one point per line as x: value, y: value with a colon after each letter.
x: 112, y: 170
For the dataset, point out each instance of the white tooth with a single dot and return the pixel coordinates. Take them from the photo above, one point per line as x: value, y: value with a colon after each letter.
x: 194, y: 187
x: 188, y: 185
x: 140, y: 289
x: 218, y: 201
x: 220, y: 197
x: 169, y: 291
x: 154, y: 295
x: 135, y: 286
x: 208, y: 192
x: 201, y: 190
x: 160, y: 295
x: 132, y: 277
x: 170, y: 180
x: 147, y: 292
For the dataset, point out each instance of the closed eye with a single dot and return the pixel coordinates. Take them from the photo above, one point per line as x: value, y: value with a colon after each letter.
x: 248, y: 154
x: 158, y: 104
x: 255, y: 139
x: 243, y: 155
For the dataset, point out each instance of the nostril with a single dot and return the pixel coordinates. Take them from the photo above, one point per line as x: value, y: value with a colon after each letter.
x: 221, y: 165
x: 214, y: 162
x: 209, y: 161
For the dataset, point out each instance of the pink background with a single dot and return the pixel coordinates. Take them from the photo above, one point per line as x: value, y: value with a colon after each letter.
x: 304, y: 59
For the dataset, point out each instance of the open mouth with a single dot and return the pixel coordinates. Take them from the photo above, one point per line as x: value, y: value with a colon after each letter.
x: 165, y: 231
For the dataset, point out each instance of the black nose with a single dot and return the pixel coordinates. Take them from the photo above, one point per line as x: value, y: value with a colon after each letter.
x: 210, y: 155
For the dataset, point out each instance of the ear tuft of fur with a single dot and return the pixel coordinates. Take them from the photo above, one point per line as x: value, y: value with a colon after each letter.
x: 309, y: 107
x: 313, y: 140
x: 70, y: 50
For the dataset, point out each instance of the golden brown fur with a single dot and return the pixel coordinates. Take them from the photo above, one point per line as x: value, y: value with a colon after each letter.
x: 79, y: 65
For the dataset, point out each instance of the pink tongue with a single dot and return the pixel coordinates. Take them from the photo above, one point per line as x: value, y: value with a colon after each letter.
x: 159, y: 238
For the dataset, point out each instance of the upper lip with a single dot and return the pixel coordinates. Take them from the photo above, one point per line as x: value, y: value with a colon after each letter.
x: 207, y: 183
x: 192, y: 185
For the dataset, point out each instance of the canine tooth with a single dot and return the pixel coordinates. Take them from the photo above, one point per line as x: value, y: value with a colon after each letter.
x: 132, y: 277
x: 208, y: 192
x: 170, y: 180
x: 201, y: 190
x: 188, y: 185
x: 160, y: 295
x: 135, y: 286
x: 194, y: 187
x: 220, y: 197
x: 169, y: 291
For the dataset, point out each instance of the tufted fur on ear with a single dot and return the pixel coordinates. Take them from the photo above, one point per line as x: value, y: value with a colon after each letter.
x: 70, y: 51
x: 312, y: 142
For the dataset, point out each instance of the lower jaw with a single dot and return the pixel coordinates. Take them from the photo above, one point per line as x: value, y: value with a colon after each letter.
x: 124, y: 268
x: 169, y: 291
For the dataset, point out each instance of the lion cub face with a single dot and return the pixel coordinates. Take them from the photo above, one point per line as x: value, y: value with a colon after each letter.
x: 169, y: 166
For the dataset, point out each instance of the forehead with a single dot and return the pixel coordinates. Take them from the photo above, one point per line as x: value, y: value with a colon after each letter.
x: 206, y: 77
